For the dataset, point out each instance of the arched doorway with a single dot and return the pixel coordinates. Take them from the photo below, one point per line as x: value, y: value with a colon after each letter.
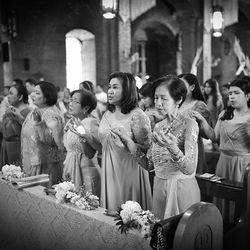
x: 80, y: 58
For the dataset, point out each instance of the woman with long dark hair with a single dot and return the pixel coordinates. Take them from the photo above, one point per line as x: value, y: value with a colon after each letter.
x: 213, y: 99
x: 195, y: 102
x: 122, y: 178
x: 232, y: 131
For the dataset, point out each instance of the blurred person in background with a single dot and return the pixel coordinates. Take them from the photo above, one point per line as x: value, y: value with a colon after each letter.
x: 213, y: 99
x: 42, y: 135
x: 195, y: 102
x: 30, y: 84
x: 12, y: 124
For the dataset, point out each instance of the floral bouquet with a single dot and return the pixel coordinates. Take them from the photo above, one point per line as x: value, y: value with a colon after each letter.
x: 131, y: 216
x: 12, y: 171
x: 66, y: 193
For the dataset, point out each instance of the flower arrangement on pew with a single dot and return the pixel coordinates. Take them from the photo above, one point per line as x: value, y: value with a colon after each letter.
x: 66, y: 193
x: 12, y: 171
x: 132, y: 216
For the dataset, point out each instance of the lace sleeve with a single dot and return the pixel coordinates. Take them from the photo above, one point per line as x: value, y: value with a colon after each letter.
x: 141, y: 128
x: 187, y: 162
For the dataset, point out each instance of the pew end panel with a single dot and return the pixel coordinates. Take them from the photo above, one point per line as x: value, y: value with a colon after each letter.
x: 201, y: 227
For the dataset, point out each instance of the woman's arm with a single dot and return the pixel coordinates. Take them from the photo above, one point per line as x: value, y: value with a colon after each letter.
x: 187, y: 160
x: 210, y: 133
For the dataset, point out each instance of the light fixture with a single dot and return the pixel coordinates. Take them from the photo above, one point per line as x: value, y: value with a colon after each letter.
x: 109, y: 8
x: 217, y: 21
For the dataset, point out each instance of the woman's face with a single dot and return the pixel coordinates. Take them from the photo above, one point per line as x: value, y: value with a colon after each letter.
x: 164, y: 103
x: 115, y: 91
x: 13, y: 97
x: 207, y: 89
x: 38, y: 98
x: 147, y: 101
x: 237, y: 97
x: 75, y: 107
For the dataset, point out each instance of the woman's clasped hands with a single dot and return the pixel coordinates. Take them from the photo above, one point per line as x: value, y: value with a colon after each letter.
x: 119, y: 132
x: 165, y: 140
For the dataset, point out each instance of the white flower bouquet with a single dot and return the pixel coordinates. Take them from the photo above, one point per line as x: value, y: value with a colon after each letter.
x: 66, y: 193
x: 12, y: 171
x: 132, y: 216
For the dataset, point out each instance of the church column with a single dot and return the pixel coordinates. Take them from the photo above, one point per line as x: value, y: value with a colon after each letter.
x: 124, y: 43
x: 1, y: 51
x: 207, y: 41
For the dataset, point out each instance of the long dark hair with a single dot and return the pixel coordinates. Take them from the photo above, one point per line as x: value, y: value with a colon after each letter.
x: 215, y: 92
x: 192, y: 80
x: 129, y: 93
x: 244, y: 85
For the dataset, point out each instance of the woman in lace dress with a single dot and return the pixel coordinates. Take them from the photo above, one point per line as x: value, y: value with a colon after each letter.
x: 12, y: 125
x: 42, y: 135
x: 80, y: 164
x: 174, y: 152
x: 195, y: 102
x: 122, y: 178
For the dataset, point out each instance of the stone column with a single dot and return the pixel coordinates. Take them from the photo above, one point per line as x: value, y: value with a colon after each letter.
x: 1, y: 51
x: 124, y: 40
x: 207, y: 44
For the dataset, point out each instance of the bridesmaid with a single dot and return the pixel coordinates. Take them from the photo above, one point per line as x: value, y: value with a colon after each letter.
x: 196, y: 102
x: 122, y: 178
x: 232, y: 131
x: 81, y: 164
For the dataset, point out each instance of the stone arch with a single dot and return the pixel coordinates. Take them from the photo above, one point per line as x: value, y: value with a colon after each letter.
x: 155, y: 32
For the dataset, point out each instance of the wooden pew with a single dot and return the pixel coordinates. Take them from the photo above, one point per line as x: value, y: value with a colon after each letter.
x: 200, y: 227
x: 238, y: 236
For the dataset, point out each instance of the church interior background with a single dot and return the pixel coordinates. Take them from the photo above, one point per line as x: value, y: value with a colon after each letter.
x: 68, y: 41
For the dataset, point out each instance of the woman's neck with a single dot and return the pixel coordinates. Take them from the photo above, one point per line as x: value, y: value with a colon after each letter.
x: 20, y: 105
x: 42, y: 106
x: 81, y: 116
x: 241, y: 111
x: 118, y: 109
x: 173, y: 116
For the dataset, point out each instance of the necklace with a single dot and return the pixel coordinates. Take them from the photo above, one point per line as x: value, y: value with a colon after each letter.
x: 170, y: 127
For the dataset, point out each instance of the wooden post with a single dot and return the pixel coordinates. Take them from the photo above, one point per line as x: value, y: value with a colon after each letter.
x: 207, y: 41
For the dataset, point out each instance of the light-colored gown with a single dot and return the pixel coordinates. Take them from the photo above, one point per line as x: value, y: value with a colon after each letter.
x: 77, y: 165
x: 201, y: 108
x: 175, y: 185
x: 40, y: 154
x: 234, y: 157
x: 122, y: 178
